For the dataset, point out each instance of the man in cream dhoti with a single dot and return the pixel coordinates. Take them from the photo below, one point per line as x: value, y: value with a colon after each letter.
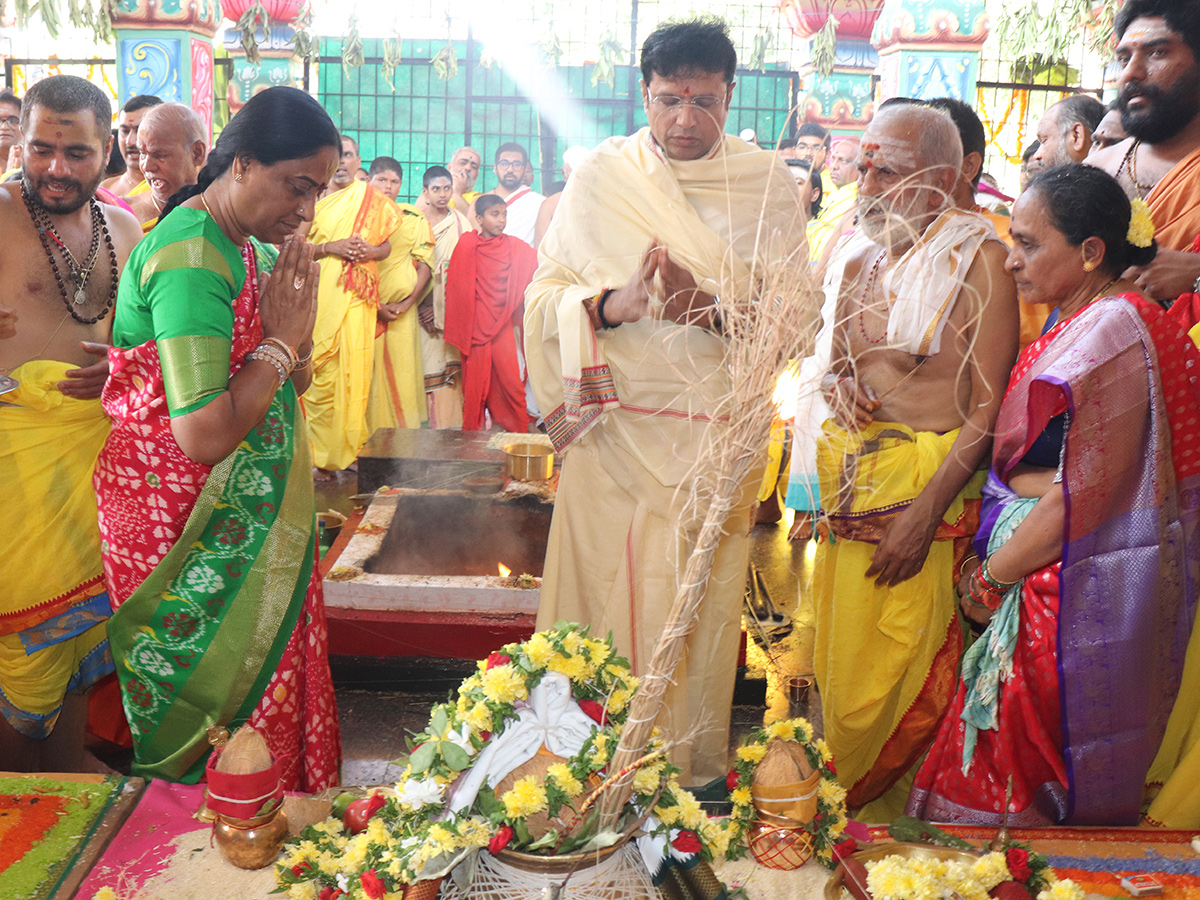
x: 351, y: 228
x: 924, y: 337
x: 442, y: 363
x: 628, y: 372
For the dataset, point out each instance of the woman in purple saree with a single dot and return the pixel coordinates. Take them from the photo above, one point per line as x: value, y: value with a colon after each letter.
x: 1088, y: 534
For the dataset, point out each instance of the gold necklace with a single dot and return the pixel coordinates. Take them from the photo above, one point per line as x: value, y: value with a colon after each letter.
x: 1131, y: 157
x: 206, y: 209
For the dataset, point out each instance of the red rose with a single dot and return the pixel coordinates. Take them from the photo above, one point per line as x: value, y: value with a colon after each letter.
x: 1018, y: 863
x: 485, y: 736
x: 686, y: 842
x: 501, y: 839
x: 299, y: 868
x: 829, y: 766
x: 372, y: 884
x: 845, y: 848
x: 329, y: 892
x: 498, y: 659
x: 731, y: 780
x: 594, y: 710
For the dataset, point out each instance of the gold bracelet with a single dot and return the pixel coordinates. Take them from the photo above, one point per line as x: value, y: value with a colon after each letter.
x: 305, y: 359
x: 292, y: 356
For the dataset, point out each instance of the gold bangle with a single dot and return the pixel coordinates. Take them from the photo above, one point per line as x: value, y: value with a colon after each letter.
x: 973, y: 558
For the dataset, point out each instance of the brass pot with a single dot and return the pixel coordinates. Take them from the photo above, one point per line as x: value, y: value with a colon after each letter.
x: 251, y: 843
x: 528, y: 462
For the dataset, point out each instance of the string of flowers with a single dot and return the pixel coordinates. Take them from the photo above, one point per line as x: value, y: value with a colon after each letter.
x: 830, y: 821
x: 900, y: 877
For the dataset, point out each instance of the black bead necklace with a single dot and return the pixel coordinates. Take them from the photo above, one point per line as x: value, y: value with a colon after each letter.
x: 79, y: 274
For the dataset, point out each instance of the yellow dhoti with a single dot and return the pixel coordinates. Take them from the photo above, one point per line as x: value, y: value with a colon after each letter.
x: 885, y: 658
x: 52, y: 602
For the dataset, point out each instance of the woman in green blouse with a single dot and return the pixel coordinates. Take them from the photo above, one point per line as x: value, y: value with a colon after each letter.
x: 204, y: 485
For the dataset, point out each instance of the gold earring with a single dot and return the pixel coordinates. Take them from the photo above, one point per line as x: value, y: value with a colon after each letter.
x: 1088, y: 265
x: 238, y: 177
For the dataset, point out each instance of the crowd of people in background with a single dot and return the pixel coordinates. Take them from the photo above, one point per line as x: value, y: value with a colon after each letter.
x: 996, y: 427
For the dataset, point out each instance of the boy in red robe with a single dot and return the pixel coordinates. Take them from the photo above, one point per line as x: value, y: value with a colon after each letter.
x: 485, y: 300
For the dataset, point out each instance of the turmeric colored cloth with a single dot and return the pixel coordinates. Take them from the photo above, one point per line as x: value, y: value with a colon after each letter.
x: 397, y: 397
x: 485, y: 301
x: 631, y: 407
x: 442, y: 363
x: 52, y: 600
x: 344, y: 335
x: 885, y: 658
x: 1173, y: 205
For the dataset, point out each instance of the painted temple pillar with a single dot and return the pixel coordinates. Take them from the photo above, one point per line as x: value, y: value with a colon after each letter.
x: 164, y: 47
x: 930, y: 48
x: 843, y: 101
x: 277, y: 65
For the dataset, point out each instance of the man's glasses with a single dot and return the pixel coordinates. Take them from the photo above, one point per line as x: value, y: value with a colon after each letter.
x: 671, y: 102
x: 11, y: 121
x: 504, y: 165
x: 809, y: 148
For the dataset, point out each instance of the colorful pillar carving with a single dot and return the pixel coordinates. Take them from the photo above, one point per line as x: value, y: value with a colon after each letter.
x: 841, y: 102
x: 277, y: 66
x: 164, y: 47
x: 930, y: 48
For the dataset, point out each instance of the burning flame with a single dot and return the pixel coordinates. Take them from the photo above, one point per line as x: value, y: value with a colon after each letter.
x: 505, y: 571
x: 787, y: 391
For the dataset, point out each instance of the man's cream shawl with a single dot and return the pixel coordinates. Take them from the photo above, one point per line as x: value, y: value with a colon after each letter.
x: 732, y: 219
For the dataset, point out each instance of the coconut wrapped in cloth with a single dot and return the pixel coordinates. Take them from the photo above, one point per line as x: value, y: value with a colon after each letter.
x: 785, y: 783
x: 243, y: 779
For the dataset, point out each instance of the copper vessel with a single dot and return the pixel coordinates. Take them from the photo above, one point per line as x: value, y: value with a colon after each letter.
x: 251, y: 843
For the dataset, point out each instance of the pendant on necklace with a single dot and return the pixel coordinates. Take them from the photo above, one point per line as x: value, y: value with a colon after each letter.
x: 80, y: 296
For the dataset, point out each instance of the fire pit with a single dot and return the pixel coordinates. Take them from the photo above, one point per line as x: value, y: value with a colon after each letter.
x: 425, y: 570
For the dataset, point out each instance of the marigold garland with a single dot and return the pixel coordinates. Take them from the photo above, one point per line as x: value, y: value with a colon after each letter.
x: 830, y: 821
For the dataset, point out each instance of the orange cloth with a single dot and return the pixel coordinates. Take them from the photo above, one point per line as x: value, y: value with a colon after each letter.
x: 1173, y: 205
x: 485, y: 301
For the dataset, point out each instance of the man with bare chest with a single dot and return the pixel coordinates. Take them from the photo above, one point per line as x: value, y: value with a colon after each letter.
x: 1158, y: 52
x: 62, y: 257
x: 925, y: 337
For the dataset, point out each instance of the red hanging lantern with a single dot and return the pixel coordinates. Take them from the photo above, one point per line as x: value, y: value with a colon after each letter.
x: 856, y: 18
x: 281, y: 11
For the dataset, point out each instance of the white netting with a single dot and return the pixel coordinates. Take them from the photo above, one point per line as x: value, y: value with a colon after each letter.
x: 622, y: 876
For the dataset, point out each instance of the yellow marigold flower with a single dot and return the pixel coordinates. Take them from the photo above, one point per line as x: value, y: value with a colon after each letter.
x: 831, y: 792
x: 574, y: 667
x: 355, y: 853
x: 752, y: 752
x: 823, y: 749
x: 327, y: 863
x: 618, y: 700
x: 991, y: 869
x: 479, y: 718
x: 395, y: 868
x: 804, y: 730
x: 526, y: 798
x: 471, y: 684
x: 741, y: 796
x: 561, y: 773
x: 539, y: 650
x: 783, y: 730
x: 107, y: 893
x: 647, y: 778
x: 504, y: 684
x: 377, y: 831
x: 1141, y: 225
x: 598, y: 651
x: 301, y: 890
x: 669, y: 815
x: 1062, y: 890
x: 573, y: 642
